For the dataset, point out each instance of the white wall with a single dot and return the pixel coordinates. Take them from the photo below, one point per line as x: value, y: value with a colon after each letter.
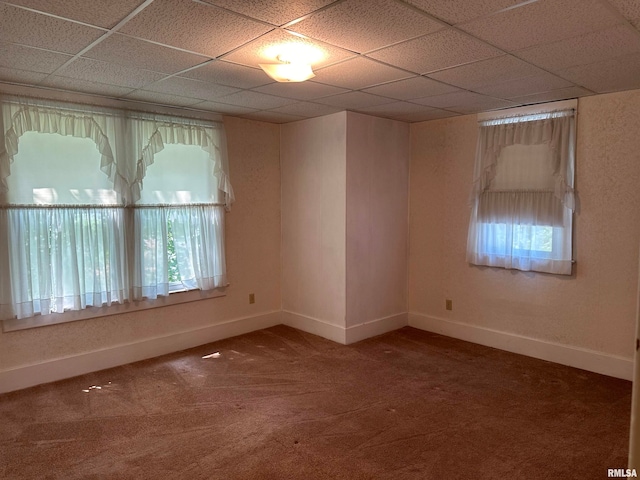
x: 313, y: 162
x: 590, y: 314
x: 377, y: 218
x: 344, y: 225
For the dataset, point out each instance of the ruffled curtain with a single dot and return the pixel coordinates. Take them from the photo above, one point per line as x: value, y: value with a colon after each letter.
x: 158, y: 133
x: 28, y: 115
x: 67, y: 257
x: 556, y: 129
x: 127, y: 141
x: 522, y: 197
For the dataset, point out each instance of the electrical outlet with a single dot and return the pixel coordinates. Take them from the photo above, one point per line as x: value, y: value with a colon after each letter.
x: 252, y: 298
x: 449, y: 304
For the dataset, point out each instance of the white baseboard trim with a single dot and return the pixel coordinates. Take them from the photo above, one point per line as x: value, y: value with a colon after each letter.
x: 315, y: 326
x: 67, y: 367
x: 583, y: 358
x: 376, y: 327
x: 344, y: 336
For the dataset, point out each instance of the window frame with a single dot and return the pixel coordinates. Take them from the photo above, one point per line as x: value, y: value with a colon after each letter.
x: 175, y: 298
x: 514, y: 255
x: 178, y: 293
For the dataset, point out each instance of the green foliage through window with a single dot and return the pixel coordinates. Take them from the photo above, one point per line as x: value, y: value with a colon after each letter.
x: 174, y: 271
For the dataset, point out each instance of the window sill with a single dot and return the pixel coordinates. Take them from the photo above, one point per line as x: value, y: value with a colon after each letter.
x: 176, y: 298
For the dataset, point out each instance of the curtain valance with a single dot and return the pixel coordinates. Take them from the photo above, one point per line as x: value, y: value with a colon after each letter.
x: 22, y: 118
x: 210, y: 138
x: 557, y: 130
x: 127, y: 141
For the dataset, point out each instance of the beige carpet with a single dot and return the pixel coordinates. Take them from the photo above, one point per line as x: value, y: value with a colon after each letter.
x: 282, y: 404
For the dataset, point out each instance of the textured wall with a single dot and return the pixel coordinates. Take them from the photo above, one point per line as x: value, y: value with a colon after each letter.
x: 377, y: 217
x: 594, y: 308
x: 253, y: 263
x: 313, y: 159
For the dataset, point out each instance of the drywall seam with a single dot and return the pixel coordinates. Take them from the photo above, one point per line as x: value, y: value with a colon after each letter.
x: 67, y: 367
x: 372, y: 328
x: 585, y: 359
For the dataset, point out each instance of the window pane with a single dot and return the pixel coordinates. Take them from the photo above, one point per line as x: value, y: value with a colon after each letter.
x: 180, y: 174
x: 54, y: 169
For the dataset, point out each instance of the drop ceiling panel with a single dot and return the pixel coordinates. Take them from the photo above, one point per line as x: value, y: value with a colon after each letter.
x: 622, y: 73
x: 486, y: 72
x: 354, y: 100
x: 224, y: 108
x: 390, y: 110
x: 363, y: 26
x: 193, y: 26
x: 103, y: 13
x: 250, y: 99
x: 191, y: 88
x: 162, y: 98
x: 300, y: 91
x: 14, y: 75
x: 33, y: 59
x: 276, y: 12
x: 359, y: 72
x: 440, y: 50
x: 459, y: 100
x: 204, y: 54
x: 541, y: 22
x: 525, y: 86
x: 273, y: 117
x: 483, y: 105
x: 430, y: 114
x: 226, y: 73
x: 73, y: 84
x: 103, y: 72
x: 584, y: 49
x: 266, y: 48
x: 307, y: 109
x: 456, y: 11
x: 131, y: 52
x: 553, y: 96
x: 37, y: 30
x: 415, y: 87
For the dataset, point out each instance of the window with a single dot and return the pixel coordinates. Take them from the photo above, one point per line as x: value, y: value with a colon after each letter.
x: 178, y: 218
x: 102, y: 206
x: 60, y: 222
x: 522, y: 199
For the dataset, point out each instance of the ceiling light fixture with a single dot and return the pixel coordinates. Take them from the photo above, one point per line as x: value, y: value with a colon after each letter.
x: 288, y: 71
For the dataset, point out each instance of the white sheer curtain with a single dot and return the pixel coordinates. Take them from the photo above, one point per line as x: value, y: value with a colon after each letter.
x: 153, y: 134
x: 522, y: 198
x: 70, y: 234
x: 198, y: 255
x: 181, y: 192
x: 65, y: 258
x: 63, y: 237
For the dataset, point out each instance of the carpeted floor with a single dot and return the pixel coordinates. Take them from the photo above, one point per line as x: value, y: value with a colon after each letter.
x: 283, y: 404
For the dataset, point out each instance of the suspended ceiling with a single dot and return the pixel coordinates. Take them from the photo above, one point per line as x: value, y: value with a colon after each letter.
x: 410, y: 60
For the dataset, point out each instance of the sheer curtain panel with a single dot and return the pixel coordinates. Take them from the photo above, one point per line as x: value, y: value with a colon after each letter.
x: 181, y: 192
x: 522, y: 197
